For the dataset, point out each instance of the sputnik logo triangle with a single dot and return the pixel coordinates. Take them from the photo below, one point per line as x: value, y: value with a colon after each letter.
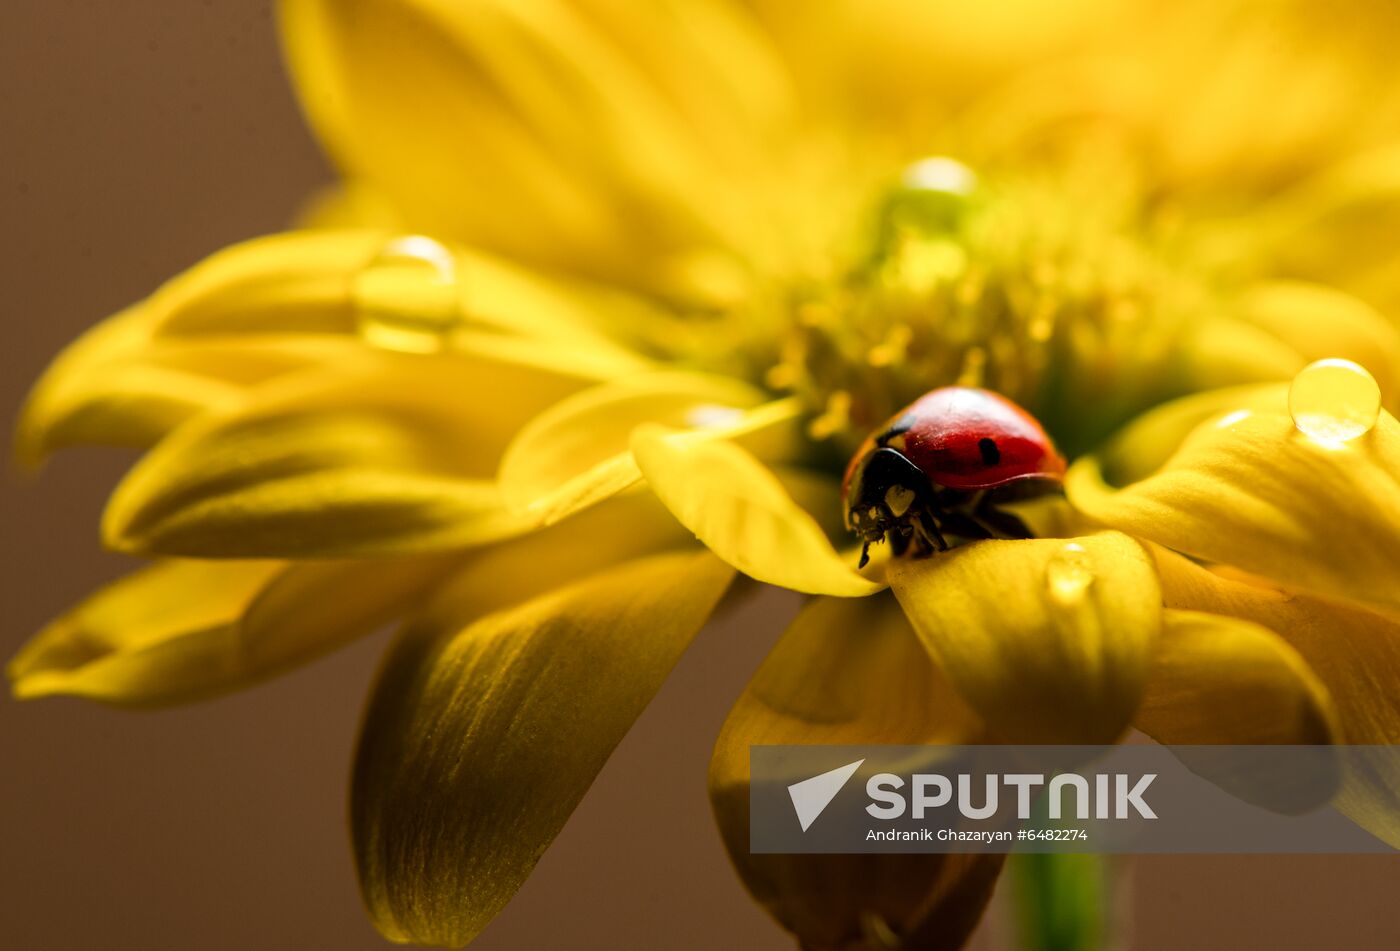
x: 811, y: 796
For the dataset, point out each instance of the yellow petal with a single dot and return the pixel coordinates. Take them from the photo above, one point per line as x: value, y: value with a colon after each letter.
x: 111, y: 341
x: 1257, y: 494
x: 1050, y: 641
x: 297, y: 281
x: 902, y: 62
x: 1218, y: 679
x: 136, y: 398
x: 848, y: 672
x: 1334, y: 226
x: 275, y: 304
x: 483, y: 735
x: 185, y: 630
x: 1354, y: 653
x: 1219, y: 351
x: 1224, y: 680
x: 314, y: 282
x: 130, y: 404
x: 1144, y: 445
x: 1320, y: 322
x: 554, y: 132
x: 576, y: 452
x: 743, y: 513
x: 388, y: 455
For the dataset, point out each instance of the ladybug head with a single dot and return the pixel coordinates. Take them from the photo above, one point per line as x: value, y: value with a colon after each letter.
x: 884, y: 488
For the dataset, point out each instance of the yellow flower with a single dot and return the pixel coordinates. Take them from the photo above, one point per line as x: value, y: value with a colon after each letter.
x: 608, y: 296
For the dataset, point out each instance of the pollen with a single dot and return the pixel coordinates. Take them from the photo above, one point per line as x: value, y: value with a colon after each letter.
x: 1056, y: 294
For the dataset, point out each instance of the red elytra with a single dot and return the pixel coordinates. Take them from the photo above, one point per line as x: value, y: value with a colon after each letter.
x: 942, y: 464
x: 962, y: 437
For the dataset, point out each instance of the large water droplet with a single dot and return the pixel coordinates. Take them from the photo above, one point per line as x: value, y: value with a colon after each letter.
x: 1334, y: 401
x: 406, y: 298
x: 1069, y: 574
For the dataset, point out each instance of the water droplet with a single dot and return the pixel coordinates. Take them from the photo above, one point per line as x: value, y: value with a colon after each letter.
x: 406, y: 298
x: 1068, y: 574
x: 940, y: 174
x: 930, y: 198
x: 1334, y: 401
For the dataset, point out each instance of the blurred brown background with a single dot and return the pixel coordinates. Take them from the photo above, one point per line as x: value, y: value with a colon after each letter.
x: 135, y: 138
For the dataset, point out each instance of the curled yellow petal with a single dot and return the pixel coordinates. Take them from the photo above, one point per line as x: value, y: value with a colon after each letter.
x: 848, y: 671
x: 1144, y: 445
x: 1252, y: 491
x: 387, y: 455
x: 1320, y: 322
x: 186, y: 630
x: 1218, y: 679
x: 1223, y: 680
x: 743, y: 513
x: 1353, y: 653
x: 1049, y: 640
x: 1220, y: 351
x: 577, y: 451
x: 111, y: 341
x: 297, y: 281
x: 356, y: 282
x: 136, y: 398
x: 486, y: 730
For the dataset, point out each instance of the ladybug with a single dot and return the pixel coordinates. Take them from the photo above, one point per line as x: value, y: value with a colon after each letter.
x: 943, y: 464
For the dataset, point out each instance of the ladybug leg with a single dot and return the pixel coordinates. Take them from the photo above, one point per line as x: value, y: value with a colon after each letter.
x: 998, y: 520
x: 928, y: 527
x: 961, y: 523
x: 899, y: 540
x: 1003, y: 523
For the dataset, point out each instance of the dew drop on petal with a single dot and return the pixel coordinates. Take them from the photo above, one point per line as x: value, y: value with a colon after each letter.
x: 1069, y: 574
x: 940, y: 174
x: 406, y: 297
x: 930, y: 198
x: 1334, y: 401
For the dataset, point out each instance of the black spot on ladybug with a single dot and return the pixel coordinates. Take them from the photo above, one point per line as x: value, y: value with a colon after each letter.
x: 991, y: 455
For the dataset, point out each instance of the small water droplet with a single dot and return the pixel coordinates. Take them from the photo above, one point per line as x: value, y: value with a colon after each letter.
x: 406, y: 298
x: 930, y: 198
x: 1334, y: 401
x: 1068, y: 574
x: 939, y: 173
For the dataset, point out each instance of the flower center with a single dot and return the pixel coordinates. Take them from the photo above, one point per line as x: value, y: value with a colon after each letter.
x: 1056, y: 290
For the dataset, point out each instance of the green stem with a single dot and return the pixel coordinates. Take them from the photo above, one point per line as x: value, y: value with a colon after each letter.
x: 1061, y: 901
